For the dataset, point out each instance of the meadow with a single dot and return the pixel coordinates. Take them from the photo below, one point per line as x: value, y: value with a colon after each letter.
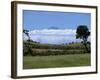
x: 71, y: 60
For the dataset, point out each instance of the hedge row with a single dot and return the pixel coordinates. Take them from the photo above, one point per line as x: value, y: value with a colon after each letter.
x: 48, y: 46
x: 48, y: 52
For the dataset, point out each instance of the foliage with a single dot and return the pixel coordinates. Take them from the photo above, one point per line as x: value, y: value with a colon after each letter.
x: 83, y: 33
x: 26, y: 32
x: 27, y: 48
x: 48, y: 49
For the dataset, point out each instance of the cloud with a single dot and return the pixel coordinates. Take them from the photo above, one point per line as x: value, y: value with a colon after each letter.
x: 53, y: 32
x: 54, y: 36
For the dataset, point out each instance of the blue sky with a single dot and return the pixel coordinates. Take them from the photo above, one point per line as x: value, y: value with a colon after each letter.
x: 46, y: 19
x: 41, y: 24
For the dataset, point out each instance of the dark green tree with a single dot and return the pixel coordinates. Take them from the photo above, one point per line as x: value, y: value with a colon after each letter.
x: 26, y: 32
x: 83, y: 33
x: 27, y: 45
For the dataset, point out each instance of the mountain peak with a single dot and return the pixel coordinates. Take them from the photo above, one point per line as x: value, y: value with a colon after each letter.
x: 53, y: 27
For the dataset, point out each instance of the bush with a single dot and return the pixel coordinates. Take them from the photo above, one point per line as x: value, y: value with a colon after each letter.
x: 38, y: 49
x: 51, y: 53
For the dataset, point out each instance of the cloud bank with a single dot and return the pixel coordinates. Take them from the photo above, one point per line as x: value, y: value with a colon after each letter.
x: 54, y: 36
x: 58, y: 32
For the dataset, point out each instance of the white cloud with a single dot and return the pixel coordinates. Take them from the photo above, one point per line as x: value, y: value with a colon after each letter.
x: 53, y: 36
x: 53, y: 32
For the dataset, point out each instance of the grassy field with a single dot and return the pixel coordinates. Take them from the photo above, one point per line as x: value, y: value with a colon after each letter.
x: 72, y: 60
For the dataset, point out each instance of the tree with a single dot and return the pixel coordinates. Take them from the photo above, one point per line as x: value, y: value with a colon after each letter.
x: 26, y: 32
x: 83, y: 33
x: 27, y: 46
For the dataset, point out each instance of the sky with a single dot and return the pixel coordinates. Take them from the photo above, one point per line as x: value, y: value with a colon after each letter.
x: 54, y: 27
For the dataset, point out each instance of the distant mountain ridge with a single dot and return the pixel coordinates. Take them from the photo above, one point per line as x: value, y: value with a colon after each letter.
x: 53, y: 27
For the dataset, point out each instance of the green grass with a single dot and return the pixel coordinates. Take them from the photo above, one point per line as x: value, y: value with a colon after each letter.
x: 72, y: 60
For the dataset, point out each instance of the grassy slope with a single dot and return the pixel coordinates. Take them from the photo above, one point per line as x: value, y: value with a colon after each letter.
x: 56, y: 61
